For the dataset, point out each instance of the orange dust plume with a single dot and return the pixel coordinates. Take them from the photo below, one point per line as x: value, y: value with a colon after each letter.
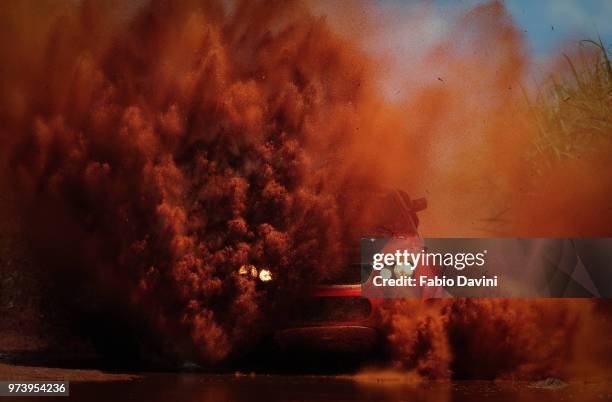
x: 495, y: 154
x: 518, y: 339
x: 157, y: 149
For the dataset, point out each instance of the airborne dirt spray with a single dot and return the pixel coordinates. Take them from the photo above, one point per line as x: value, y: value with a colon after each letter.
x: 496, y: 338
x: 157, y: 149
x: 157, y: 152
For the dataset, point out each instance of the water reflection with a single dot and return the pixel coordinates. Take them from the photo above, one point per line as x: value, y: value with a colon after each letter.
x: 223, y: 388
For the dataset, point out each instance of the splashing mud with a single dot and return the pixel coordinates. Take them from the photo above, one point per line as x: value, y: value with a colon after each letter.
x: 156, y: 149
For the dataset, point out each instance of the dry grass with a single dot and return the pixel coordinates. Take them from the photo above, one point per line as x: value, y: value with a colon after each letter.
x: 573, y: 111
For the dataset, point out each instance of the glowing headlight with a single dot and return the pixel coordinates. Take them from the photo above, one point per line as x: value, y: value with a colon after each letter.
x: 248, y: 269
x: 265, y: 275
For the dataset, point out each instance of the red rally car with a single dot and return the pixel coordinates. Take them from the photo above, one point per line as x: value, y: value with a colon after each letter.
x: 335, y: 318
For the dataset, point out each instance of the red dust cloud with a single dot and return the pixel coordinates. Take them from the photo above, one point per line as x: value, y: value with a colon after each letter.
x: 157, y: 149
x: 498, y: 339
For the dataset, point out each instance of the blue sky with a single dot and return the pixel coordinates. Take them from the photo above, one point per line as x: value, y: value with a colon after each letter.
x: 547, y: 24
x: 572, y: 20
x: 413, y: 27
